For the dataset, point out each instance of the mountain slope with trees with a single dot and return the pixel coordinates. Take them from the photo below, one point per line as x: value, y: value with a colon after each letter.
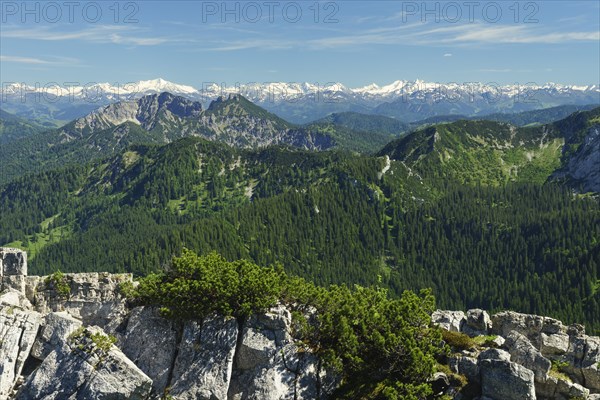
x: 408, y: 218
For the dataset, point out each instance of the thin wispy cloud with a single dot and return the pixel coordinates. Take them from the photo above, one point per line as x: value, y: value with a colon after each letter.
x: 467, y: 34
x: 495, y: 70
x: 249, y: 44
x: 97, y: 34
x: 24, y: 60
x: 38, y: 61
x: 448, y: 55
x: 511, y: 34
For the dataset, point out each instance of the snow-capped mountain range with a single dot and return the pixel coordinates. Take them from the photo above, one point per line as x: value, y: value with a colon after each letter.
x: 302, y: 102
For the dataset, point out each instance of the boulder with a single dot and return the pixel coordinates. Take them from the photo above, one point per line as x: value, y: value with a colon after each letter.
x: 494, y: 354
x: 150, y: 341
x: 505, y: 380
x: 449, y: 320
x: 555, y: 344
x: 569, y: 390
x: 531, y: 326
x: 466, y: 366
x: 546, y: 388
x: 522, y: 352
x: 204, y: 363
x: 583, y: 357
x: 54, y: 334
x: 269, y: 366
x: 12, y: 262
x: 16, y: 298
x: 478, y: 322
x: 18, y: 329
x: 83, y: 370
x: 560, y: 389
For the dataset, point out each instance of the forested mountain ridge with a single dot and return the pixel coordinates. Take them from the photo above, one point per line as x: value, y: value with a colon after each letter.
x: 332, y: 217
x: 13, y: 127
x: 163, y: 118
x: 493, y: 153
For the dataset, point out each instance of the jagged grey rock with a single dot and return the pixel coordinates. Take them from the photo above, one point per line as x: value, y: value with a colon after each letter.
x: 15, y: 298
x: 79, y: 369
x: 204, y: 363
x: 449, y: 320
x: 18, y: 329
x: 583, y: 359
x: 494, y: 354
x: 560, y: 389
x: 269, y: 366
x: 222, y: 358
x: 57, y: 328
x: 13, y: 269
x: 522, y: 352
x: 583, y: 166
x: 467, y: 366
x: 150, y: 341
x: 505, y: 380
x: 94, y: 298
x: 554, y: 344
x: 478, y: 322
x: 12, y: 262
x: 531, y: 326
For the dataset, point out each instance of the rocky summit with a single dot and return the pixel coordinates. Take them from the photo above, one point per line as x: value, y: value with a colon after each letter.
x: 73, y: 336
x: 67, y: 336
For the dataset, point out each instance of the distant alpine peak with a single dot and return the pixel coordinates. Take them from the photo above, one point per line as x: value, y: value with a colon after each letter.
x: 161, y: 85
x: 258, y: 92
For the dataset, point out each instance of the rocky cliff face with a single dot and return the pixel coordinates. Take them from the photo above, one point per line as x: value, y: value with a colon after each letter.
x: 84, y: 342
x: 583, y: 167
x: 524, y: 356
x: 74, y: 336
x: 162, y: 118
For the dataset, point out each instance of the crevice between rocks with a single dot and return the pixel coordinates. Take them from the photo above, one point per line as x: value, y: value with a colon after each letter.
x: 238, y: 344
x: 179, y: 332
x: 23, y: 329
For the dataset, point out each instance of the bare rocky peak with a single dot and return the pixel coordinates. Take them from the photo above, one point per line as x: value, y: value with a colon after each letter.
x: 145, y: 112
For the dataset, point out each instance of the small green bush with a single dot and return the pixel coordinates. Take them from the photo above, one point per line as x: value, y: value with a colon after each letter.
x: 103, y: 342
x: 60, y: 283
x: 558, y: 370
x: 458, y: 341
x: 127, y: 290
x: 196, y: 286
x: 485, y: 340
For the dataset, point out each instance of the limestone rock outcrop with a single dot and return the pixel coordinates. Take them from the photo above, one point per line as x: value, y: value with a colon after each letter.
x: 531, y: 356
x: 83, y: 368
x: 73, y: 336
x: 204, y: 363
x: 453, y: 321
x: 18, y: 330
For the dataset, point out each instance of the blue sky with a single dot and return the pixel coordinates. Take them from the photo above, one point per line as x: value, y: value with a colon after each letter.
x: 352, y: 42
